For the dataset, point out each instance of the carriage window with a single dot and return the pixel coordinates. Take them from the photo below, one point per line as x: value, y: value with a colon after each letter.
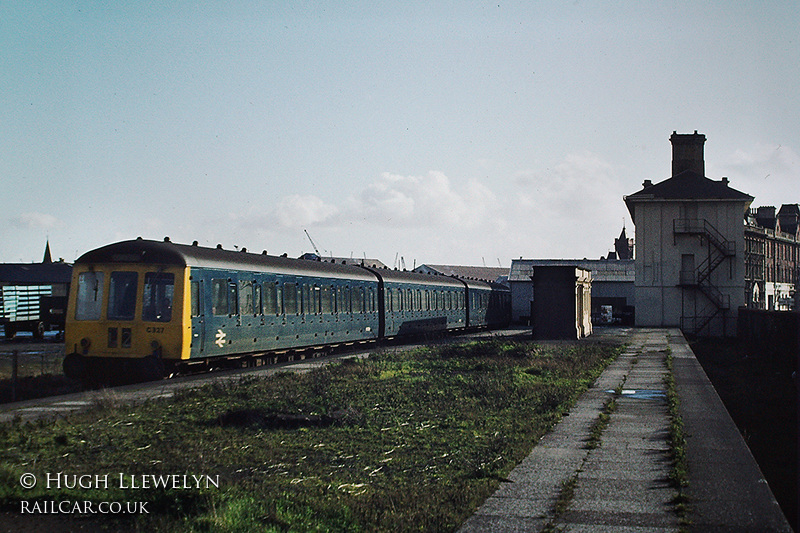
x: 224, y: 300
x: 358, y: 299
x: 326, y: 305
x: 122, y: 295
x: 233, y: 300
x: 159, y: 288
x: 219, y: 297
x: 258, y: 308
x: 246, y: 297
x: 195, y: 298
x: 290, y: 298
x: 314, y: 295
x: 271, y: 299
x: 90, y: 296
x: 305, y: 296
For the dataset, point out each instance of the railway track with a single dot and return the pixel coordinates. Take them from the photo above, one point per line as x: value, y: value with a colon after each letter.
x: 55, y: 406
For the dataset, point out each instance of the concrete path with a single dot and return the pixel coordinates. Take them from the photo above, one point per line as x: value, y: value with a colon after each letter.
x: 623, y: 484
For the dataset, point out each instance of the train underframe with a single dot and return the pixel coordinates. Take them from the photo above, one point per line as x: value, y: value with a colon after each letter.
x: 95, y: 372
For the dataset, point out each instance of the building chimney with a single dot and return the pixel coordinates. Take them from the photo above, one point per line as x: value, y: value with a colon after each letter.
x: 687, y: 152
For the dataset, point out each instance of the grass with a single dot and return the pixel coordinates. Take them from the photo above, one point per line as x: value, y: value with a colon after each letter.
x: 396, y: 442
x: 39, y: 372
x: 679, y: 474
x: 602, y: 420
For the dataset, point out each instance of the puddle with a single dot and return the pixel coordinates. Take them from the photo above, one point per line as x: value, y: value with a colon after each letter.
x: 642, y: 394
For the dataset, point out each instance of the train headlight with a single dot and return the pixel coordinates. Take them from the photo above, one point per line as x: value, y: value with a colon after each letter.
x: 155, y: 348
x: 85, y: 344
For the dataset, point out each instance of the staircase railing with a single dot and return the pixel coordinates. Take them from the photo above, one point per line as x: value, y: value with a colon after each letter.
x: 699, y: 278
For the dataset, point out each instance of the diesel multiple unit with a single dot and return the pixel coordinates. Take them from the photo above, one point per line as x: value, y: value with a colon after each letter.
x: 141, y: 308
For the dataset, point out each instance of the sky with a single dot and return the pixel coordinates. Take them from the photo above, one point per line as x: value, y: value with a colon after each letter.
x: 447, y: 132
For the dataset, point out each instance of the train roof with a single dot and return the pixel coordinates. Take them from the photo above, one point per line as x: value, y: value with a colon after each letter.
x: 165, y: 252
x: 168, y: 253
x: 404, y: 276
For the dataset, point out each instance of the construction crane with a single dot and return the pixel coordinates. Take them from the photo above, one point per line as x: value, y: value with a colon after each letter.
x: 316, y: 250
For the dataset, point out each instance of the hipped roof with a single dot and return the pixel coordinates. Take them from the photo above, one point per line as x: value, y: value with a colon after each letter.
x: 687, y: 185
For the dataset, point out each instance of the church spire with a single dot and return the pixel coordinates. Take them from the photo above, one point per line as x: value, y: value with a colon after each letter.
x: 47, y: 257
x: 622, y: 246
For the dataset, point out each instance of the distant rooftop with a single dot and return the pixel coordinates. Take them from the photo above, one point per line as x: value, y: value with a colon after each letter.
x: 35, y: 273
x: 602, y: 270
x: 689, y: 185
x: 483, y: 273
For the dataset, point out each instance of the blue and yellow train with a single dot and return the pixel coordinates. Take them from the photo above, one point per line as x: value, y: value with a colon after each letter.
x: 139, y: 309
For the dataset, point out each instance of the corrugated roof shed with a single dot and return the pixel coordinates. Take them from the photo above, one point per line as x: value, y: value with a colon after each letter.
x: 35, y: 273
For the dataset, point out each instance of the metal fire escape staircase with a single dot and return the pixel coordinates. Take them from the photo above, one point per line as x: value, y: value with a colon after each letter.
x: 699, y: 279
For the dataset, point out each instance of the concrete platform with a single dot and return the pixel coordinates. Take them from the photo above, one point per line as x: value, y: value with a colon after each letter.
x: 623, y: 485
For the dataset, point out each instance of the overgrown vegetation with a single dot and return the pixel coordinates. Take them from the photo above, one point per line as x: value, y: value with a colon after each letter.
x: 398, y: 441
x: 602, y: 420
x: 679, y: 475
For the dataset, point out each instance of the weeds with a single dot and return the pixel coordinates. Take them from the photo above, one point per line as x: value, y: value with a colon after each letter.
x: 411, y: 441
x: 679, y: 475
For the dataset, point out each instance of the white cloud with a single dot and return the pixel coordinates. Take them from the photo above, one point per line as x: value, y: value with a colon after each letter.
x: 34, y: 220
x: 298, y: 211
x: 574, y: 209
x: 424, y: 201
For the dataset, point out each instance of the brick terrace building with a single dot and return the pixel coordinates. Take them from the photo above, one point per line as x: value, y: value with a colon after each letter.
x: 772, y: 257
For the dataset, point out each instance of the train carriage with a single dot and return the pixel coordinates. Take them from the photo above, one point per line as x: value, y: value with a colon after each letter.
x: 489, y: 304
x: 140, y: 306
x: 420, y: 303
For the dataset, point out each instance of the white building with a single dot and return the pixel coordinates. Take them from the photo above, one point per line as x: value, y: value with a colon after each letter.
x: 690, y: 269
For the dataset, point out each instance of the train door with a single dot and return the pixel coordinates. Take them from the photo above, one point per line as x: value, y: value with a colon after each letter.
x: 221, y: 328
x: 198, y: 316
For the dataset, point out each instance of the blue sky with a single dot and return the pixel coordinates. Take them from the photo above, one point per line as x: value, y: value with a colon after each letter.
x: 439, y: 132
